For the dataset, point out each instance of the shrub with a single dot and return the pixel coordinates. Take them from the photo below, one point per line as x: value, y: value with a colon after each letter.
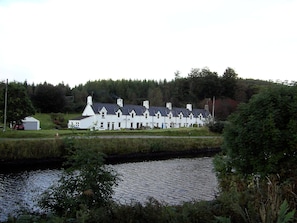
x: 85, y: 184
x: 216, y: 127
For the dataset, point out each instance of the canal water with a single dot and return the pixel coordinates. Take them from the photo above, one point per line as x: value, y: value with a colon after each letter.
x: 171, y: 181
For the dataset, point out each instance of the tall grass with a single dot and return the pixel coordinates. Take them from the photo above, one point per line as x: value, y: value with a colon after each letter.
x: 51, y: 133
x: 46, y: 148
x: 30, y: 149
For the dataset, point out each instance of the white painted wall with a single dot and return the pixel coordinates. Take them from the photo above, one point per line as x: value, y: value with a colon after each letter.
x: 104, y: 121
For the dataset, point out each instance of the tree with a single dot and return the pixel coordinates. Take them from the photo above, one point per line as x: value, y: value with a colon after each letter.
x: 19, y: 105
x: 86, y: 184
x: 229, y: 80
x: 155, y: 96
x: 49, y: 98
x: 261, y: 137
x: 224, y: 107
x: 203, y: 84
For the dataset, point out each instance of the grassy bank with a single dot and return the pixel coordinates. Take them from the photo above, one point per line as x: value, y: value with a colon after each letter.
x: 14, y: 150
x: 51, y: 133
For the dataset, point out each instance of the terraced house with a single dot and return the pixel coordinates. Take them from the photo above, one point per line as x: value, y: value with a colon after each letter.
x: 107, y: 116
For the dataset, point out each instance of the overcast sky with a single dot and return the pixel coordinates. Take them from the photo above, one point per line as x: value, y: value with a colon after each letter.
x: 75, y: 41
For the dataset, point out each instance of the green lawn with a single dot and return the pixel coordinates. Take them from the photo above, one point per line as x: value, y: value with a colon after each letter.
x: 46, y: 122
x: 48, y: 130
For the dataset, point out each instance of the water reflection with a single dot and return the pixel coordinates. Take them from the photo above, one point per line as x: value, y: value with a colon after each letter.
x: 172, y: 181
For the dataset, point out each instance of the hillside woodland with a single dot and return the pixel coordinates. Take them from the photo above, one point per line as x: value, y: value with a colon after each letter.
x: 199, y: 88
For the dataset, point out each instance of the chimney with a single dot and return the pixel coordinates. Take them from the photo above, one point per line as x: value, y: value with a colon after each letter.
x: 120, y: 102
x: 189, y: 107
x: 89, y: 100
x: 169, y: 105
x: 146, y: 104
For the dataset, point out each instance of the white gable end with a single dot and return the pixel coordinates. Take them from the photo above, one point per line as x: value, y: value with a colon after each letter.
x: 88, y: 111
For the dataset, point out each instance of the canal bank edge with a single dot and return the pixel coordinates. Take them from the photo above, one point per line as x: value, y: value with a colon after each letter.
x: 29, y: 153
x: 56, y: 162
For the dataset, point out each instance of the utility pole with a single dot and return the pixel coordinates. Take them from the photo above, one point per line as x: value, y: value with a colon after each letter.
x: 213, y: 108
x: 5, y: 106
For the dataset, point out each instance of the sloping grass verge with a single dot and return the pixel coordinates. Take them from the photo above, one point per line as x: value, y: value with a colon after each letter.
x: 13, y: 150
x: 18, y: 150
x: 51, y: 133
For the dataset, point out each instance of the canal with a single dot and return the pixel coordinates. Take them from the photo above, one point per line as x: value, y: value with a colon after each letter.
x: 172, y: 181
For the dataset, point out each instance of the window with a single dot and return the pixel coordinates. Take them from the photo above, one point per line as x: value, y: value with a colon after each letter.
x: 119, y: 114
x: 131, y: 124
x: 132, y: 115
x: 101, y: 125
x: 158, y: 116
x: 145, y: 115
x: 119, y: 125
x: 103, y: 115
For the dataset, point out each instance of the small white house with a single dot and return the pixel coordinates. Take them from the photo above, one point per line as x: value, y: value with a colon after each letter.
x: 31, y: 123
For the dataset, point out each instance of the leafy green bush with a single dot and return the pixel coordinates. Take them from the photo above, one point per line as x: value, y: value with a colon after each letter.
x: 257, y: 167
x: 261, y: 137
x: 59, y: 120
x: 85, y: 184
x: 216, y: 127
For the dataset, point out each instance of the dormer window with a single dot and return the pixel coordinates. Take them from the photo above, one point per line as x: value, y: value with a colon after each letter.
x: 119, y: 114
x: 145, y: 115
x: 103, y: 115
x: 158, y: 116
x: 132, y: 115
x: 180, y: 116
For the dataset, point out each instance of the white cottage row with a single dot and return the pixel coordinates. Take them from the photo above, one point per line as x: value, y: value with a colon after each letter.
x: 107, y: 116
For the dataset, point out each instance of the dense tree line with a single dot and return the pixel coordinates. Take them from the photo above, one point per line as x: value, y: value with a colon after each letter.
x: 198, y: 88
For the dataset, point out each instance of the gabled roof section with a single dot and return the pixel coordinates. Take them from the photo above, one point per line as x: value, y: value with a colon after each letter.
x: 154, y: 110
x: 110, y: 108
x: 113, y: 108
x: 139, y: 109
x: 197, y: 112
x: 177, y: 111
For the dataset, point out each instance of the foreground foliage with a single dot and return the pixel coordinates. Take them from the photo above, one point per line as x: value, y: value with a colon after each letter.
x: 257, y: 167
x: 261, y: 137
x: 85, y: 184
x: 14, y: 150
x: 19, y: 104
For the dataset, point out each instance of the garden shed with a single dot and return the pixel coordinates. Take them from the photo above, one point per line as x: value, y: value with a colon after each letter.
x: 31, y: 123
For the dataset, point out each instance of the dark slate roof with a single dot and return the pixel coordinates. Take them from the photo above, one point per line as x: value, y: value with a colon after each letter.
x: 197, y: 112
x: 139, y: 110
x: 110, y: 108
x: 177, y: 111
x: 154, y: 110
